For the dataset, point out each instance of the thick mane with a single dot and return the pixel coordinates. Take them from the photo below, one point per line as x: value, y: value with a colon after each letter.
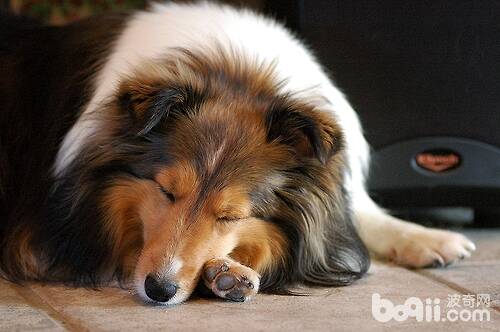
x: 220, y: 68
x: 313, y: 210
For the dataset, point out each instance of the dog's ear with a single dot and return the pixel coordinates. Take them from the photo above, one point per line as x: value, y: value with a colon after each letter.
x: 311, y: 132
x: 147, y: 104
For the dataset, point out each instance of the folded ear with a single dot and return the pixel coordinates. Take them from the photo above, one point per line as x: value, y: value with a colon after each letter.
x: 148, y: 104
x: 311, y: 132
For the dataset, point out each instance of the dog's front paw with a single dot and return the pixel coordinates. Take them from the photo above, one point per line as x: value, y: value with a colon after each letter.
x: 230, y: 280
x: 423, y: 247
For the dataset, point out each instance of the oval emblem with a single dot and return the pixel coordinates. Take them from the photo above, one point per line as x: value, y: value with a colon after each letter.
x: 438, y: 161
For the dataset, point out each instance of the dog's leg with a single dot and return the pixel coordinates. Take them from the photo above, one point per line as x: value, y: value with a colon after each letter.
x: 406, y: 243
x: 236, y: 276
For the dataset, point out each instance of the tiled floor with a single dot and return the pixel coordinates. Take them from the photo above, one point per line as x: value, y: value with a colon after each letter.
x: 54, y: 308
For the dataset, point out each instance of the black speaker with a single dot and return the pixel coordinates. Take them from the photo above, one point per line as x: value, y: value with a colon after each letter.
x: 424, y: 77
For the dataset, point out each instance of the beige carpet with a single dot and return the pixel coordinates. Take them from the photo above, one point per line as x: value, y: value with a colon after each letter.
x: 55, y: 308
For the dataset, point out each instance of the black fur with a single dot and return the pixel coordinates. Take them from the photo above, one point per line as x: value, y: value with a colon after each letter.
x: 45, y: 78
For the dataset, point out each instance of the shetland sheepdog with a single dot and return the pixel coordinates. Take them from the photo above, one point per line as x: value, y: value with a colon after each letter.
x: 186, y: 145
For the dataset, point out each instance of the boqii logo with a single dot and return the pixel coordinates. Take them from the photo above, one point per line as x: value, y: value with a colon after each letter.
x: 468, y: 307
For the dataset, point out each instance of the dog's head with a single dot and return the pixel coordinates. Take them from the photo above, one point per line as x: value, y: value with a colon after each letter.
x: 191, y: 151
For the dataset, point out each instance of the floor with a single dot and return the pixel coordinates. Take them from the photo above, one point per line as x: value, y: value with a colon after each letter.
x: 56, y: 308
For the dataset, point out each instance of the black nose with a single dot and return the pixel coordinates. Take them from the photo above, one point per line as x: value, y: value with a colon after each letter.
x: 159, y: 290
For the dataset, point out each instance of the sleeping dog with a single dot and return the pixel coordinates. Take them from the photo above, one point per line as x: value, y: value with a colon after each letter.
x: 185, y: 145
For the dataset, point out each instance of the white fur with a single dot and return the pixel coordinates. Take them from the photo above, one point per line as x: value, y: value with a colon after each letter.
x: 149, y: 35
x: 172, y: 268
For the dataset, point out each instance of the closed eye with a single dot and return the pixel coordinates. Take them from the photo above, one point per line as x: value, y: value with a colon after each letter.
x: 228, y: 219
x: 167, y: 194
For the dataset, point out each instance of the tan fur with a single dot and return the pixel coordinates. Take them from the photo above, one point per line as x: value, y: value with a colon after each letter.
x: 261, y: 245
x: 171, y: 231
x: 25, y: 257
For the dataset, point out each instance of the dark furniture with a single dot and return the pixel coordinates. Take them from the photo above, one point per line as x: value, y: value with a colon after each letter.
x: 425, y: 78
